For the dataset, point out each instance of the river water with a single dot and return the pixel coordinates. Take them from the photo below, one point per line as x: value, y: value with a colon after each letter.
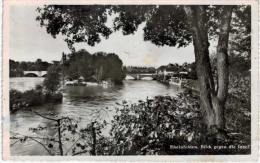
x: 80, y: 102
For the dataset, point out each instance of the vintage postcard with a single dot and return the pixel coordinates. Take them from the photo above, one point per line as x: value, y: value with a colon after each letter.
x: 111, y: 80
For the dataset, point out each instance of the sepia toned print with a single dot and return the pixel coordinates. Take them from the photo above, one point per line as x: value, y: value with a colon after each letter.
x: 130, y: 80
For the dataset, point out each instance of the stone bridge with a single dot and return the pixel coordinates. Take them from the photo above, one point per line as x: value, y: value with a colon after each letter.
x: 139, y: 76
x: 34, y: 73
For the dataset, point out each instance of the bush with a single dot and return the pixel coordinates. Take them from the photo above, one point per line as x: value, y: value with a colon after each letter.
x: 148, y: 127
x: 20, y: 100
x: 239, y: 104
x: 151, y: 126
x: 54, y: 98
x: 33, y: 97
x: 15, y: 100
x: 52, y: 80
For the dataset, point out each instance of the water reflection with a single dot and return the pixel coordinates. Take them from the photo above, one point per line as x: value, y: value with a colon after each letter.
x: 25, y: 83
x: 81, y: 102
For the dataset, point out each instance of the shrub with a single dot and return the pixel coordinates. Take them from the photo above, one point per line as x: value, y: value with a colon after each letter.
x: 239, y: 104
x: 33, y: 97
x: 20, y: 100
x: 52, y: 81
x: 15, y: 100
x: 54, y: 98
x: 151, y: 126
x: 148, y: 127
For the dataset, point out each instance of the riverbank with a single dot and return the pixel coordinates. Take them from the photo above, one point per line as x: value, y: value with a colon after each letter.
x: 85, y: 102
x: 162, y: 125
x: 34, y: 97
x: 155, y: 125
x: 81, y: 102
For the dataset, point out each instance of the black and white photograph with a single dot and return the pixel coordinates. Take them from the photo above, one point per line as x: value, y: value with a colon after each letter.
x: 130, y: 79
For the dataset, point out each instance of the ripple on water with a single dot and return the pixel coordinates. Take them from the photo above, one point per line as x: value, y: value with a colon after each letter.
x: 81, y: 102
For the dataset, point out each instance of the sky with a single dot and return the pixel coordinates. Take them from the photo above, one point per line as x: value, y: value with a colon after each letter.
x: 29, y: 41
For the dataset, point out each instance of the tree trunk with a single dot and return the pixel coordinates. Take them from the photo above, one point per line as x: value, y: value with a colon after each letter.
x: 222, y: 61
x: 93, y: 131
x: 212, y: 100
x: 59, y: 136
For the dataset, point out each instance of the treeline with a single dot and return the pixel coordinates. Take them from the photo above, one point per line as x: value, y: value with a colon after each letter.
x: 16, y: 68
x: 94, y: 67
x: 136, y: 69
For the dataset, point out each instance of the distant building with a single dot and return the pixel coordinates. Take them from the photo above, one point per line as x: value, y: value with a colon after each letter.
x: 56, y: 63
x: 160, y: 70
x: 81, y: 78
x: 168, y: 70
x: 183, y: 72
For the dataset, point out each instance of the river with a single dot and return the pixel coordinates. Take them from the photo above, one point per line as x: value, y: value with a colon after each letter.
x: 80, y: 102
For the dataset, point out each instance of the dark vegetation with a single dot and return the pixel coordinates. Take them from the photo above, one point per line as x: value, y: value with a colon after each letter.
x: 48, y: 93
x: 16, y: 68
x: 94, y: 67
x: 151, y: 126
x: 34, y: 97
x: 135, y: 69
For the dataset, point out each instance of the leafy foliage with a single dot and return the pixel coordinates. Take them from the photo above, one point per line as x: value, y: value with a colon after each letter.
x: 78, y: 23
x: 148, y: 127
x: 135, y: 69
x: 164, y: 24
x: 52, y: 81
x: 100, y: 66
x: 20, y: 100
x: 239, y: 104
x: 34, y: 97
x: 168, y: 26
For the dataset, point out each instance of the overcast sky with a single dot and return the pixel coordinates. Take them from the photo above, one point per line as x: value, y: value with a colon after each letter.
x: 28, y: 42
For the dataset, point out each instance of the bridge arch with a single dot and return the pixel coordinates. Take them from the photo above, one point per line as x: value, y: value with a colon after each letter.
x: 30, y: 75
x: 141, y: 76
x: 129, y: 77
x: 35, y: 73
x: 44, y: 75
x: 147, y: 78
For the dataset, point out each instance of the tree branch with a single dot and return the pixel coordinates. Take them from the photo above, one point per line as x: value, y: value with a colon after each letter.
x: 59, y: 137
x: 72, y: 146
x: 35, y: 137
x: 15, y: 142
x: 85, y: 151
x: 42, y: 145
x: 52, y: 119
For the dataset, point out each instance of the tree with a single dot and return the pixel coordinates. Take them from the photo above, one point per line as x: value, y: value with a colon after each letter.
x: 165, y: 25
x: 212, y: 99
x: 101, y: 66
x: 52, y: 80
